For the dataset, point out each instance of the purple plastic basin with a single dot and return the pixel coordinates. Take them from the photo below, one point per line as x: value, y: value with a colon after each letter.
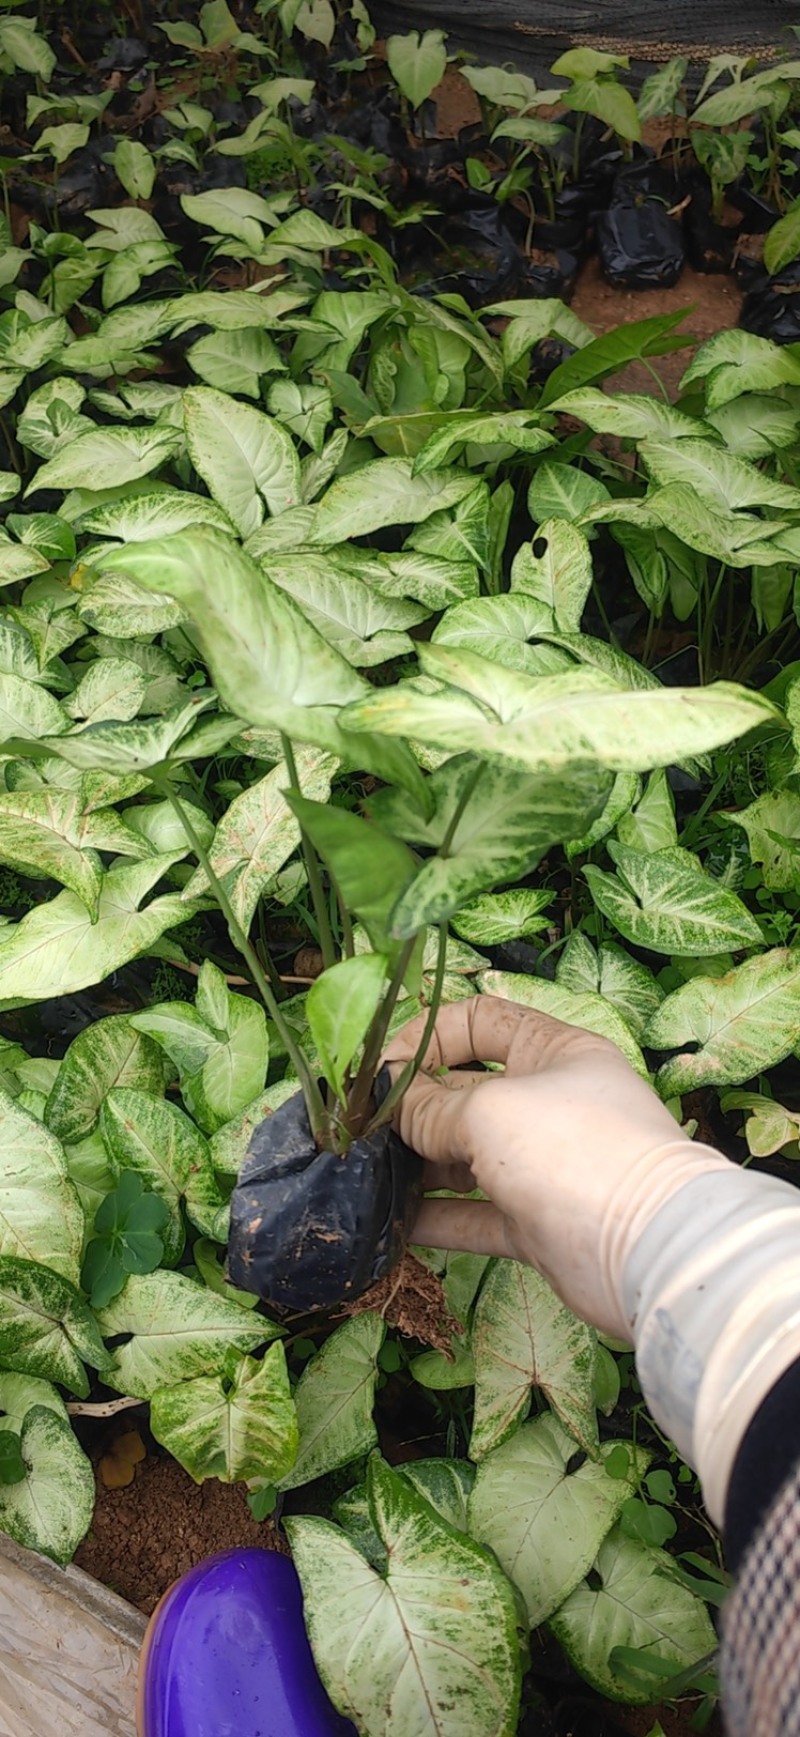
x: 226, y: 1655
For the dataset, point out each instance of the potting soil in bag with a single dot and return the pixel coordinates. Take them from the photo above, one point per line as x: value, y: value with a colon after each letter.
x: 312, y: 1229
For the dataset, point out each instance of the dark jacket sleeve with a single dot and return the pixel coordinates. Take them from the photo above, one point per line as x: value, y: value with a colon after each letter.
x: 760, y: 1660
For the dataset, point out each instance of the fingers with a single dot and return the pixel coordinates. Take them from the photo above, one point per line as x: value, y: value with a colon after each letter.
x: 487, y: 1028
x: 470, y: 1226
x: 428, y: 1119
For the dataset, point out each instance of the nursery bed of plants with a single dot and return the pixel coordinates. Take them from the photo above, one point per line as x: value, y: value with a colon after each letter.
x: 367, y: 643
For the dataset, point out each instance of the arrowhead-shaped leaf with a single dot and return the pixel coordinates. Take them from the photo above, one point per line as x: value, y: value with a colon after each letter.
x: 742, y: 1023
x: 178, y: 1330
x: 45, y: 1327
x: 524, y: 1337
x: 665, y: 901
x: 231, y: 1429
x: 108, y: 1053
x: 51, y: 1509
x: 545, y: 1511
x: 431, y: 1648
x: 40, y: 1215
x: 334, y: 1399
x: 639, y: 1604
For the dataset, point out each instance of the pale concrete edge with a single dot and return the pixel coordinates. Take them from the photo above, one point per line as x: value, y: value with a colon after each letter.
x: 79, y: 1589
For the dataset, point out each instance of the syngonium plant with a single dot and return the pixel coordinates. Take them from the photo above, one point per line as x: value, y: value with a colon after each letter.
x: 516, y: 763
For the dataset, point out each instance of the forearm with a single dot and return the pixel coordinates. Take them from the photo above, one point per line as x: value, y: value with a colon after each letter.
x: 710, y: 1292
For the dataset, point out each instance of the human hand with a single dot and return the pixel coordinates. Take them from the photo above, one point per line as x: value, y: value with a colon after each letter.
x: 573, y: 1150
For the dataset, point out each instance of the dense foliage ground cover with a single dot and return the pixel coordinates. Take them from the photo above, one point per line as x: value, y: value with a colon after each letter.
x: 341, y: 617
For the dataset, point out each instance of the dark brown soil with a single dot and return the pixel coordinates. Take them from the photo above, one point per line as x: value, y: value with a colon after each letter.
x: 143, y: 1537
x: 713, y: 304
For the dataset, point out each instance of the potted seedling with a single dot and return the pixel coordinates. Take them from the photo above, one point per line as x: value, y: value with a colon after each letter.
x: 327, y: 1194
x: 712, y: 222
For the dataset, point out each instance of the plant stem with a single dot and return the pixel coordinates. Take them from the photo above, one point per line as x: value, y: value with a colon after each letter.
x: 414, y: 1065
x: 311, y: 1092
x: 361, y: 1090
x: 348, y: 944
x: 311, y: 861
x: 412, y: 1068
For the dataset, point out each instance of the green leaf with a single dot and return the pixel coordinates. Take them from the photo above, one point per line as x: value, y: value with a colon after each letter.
x: 500, y: 628
x: 438, y: 1633
x: 45, y: 1327
x: 461, y: 532
x: 245, y: 458
x: 18, y: 562
x: 370, y: 868
x: 46, y: 532
x: 363, y: 626
x: 543, y: 1515
x: 639, y: 1603
x: 443, y: 1373
x: 57, y: 949
x: 576, y: 1007
x: 651, y: 824
x: 556, y: 569
x: 231, y: 1428
x: 107, y: 457
x: 135, y: 167
x: 178, y: 1330
x: 561, y: 491
x: 515, y: 428
x: 772, y: 824
x: 19, y: 1392
x: 735, y: 103
x: 27, y: 711
x: 446, y: 1484
x: 109, y: 1053
x: 20, y: 40
x: 385, y: 492
x: 49, y: 833
x: 236, y: 361
x: 258, y: 833
x: 782, y: 241
x: 725, y: 482
x: 113, y: 687
x: 340, y: 1007
x: 12, y: 1465
x: 334, y: 1399
x: 770, y: 424
x: 630, y: 415
x: 555, y: 721
x: 51, y: 1510
x: 661, y: 89
x: 493, y: 918
x: 664, y: 900
x: 221, y: 1059
x: 239, y: 620
x: 417, y: 63
x: 743, y: 1023
x: 610, y: 102
x: 768, y: 1126
x: 40, y: 1214
x: 613, y: 974
x: 607, y: 355
x: 508, y: 820
x: 160, y: 514
x: 148, y: 1135
x: 734, y: 361
x: 523, y: 1337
